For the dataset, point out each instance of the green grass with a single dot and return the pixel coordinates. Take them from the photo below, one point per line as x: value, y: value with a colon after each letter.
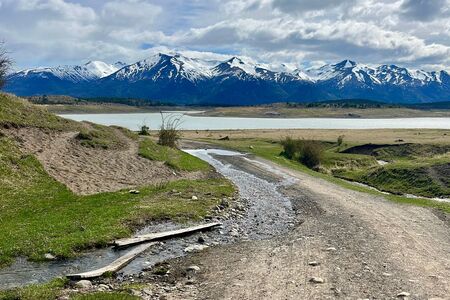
x: 270, y: 150
x: 46, y: 291
x: 17, y: 112
x: 98, y: 136
x: 104, y: 296
x: 39, y: 215
x: 53, y: 289
x: 174, y: 158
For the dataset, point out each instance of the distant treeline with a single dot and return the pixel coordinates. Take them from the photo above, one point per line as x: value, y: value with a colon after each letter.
x: 343, y: 103
x: 67, y: 100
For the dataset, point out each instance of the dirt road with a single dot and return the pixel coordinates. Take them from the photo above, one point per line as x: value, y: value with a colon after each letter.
x: 354, y: 245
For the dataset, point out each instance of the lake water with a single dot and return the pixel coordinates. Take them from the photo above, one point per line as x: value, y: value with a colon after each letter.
x: 191, y: 122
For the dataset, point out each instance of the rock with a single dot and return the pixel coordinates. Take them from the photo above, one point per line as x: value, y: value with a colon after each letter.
x: 83, y: 284
x: 314, y: 263
x: 224, y: 202
x: 133, y: 192
x: 316, y: 280
x: 201, y: 240
x: 403, y: 294
x: 103, y: 287
x: 174, y: 191
x: 194, y: 198
x: 193, y: 268
x: 234, y: 232
x: 49, y: 256
x: 330, y: 249
x: 251, y: 147
x: 225, y: 138
x: 194, y: 248
x: 387, y: 274
x: 240, y: 207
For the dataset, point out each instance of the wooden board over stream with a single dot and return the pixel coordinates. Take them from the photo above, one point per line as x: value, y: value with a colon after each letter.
x: 163, y: 235
x: 114, y: 266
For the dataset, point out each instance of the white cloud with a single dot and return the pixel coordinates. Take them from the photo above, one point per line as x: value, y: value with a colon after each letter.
x: 411, y: 32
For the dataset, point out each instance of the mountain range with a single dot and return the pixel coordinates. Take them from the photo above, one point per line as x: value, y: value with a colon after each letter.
x: 175, y: 78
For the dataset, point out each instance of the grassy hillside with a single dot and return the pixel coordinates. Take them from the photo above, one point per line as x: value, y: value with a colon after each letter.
x: 17, y: 112
x: 40, y: 215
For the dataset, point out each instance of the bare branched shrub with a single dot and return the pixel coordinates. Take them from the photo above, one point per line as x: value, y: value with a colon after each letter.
x: 169, y: 132
x: 5, y: 65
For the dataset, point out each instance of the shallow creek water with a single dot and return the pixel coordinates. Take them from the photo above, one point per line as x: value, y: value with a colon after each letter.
x: 268, y: 212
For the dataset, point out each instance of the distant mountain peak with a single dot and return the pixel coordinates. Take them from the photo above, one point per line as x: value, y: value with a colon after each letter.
x: 346, y: 64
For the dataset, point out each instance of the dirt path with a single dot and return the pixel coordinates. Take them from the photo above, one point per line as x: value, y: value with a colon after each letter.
x: 365, y: 248
x: 86, y: 170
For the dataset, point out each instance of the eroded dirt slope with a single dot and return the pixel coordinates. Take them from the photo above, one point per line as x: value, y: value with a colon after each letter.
x: 87, y: 170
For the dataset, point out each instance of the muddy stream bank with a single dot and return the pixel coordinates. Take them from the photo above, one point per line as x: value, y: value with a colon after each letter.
x: 263, y: 210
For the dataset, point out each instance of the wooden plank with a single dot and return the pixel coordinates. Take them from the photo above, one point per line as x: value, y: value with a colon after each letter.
x: 114, y: 266
x: 163, y: 235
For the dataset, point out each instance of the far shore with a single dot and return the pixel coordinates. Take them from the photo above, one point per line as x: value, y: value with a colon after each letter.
x: 252, y: 111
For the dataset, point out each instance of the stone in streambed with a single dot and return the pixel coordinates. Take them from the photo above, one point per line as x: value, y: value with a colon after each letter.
x: 316, y: 280
x: 195, y: 248
x: 83, y: 284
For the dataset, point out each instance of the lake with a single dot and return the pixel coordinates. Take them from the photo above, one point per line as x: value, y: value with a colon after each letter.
x: 190, y: 122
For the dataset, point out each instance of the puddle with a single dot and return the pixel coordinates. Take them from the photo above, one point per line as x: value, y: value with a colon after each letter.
x: 269, y: 213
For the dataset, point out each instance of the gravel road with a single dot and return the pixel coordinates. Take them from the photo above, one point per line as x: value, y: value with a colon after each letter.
x: 341, y: 244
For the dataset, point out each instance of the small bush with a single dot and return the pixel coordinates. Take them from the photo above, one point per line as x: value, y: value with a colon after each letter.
x: 311, y: 153
x: 308, y: 152
x: 340, y: 140
x: 145, y: 130
x: 169, y: 132
x: 291, y: 147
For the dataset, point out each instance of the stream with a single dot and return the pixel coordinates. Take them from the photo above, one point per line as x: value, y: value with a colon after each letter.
x: 265, y: 212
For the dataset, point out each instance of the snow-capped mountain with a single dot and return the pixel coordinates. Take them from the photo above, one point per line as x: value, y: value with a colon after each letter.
x: 89, y: 71
x: 177, y: 78
x: 163, y: 66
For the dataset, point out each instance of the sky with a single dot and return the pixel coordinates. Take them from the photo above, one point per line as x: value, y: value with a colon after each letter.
x: 304, y: 33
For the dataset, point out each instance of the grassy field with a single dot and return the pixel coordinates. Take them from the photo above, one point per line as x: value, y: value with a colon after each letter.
x: 351, y: 136
x: 271, y: 149
x: 279, y: 110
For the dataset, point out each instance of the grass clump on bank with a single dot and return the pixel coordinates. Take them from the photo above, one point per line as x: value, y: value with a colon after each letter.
x: 169, y: 132
x: 104, y: 296
x: 99, y: 136
x: 172, y: 157
x: 39, y: 215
